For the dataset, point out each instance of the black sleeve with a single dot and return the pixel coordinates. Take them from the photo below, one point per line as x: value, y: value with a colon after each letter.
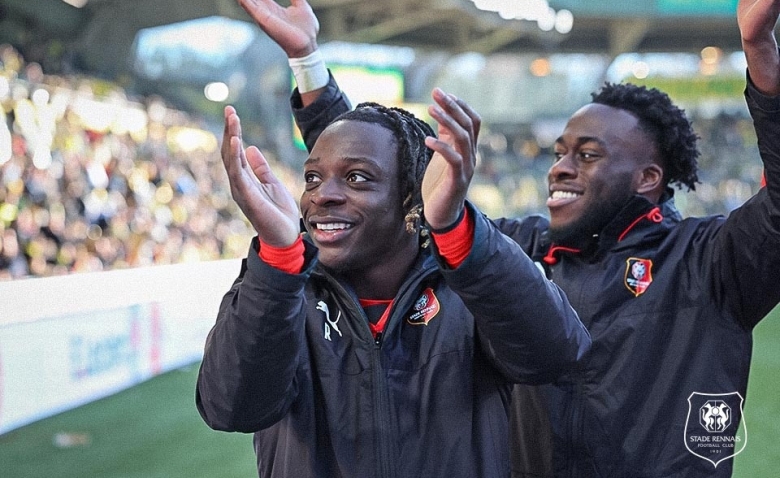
x: 317, y: 116
x: 746, y: 250
x: 525, y: 322
x: 765, y: 111
x: 255, y: 354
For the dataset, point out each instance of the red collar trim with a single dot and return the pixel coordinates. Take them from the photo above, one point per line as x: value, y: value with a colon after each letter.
x: 550, y: 258
x: 379, y: 327
x: 654, y: 215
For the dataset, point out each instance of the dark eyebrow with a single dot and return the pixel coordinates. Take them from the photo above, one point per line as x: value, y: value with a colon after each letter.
x: 584, y: 139
x: 356, y: 160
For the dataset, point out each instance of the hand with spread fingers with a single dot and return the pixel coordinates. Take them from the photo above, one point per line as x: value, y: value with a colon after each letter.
x: 757, y: 20
x: 451, y: 168
x: 263, y: 199
x: 293, y: 28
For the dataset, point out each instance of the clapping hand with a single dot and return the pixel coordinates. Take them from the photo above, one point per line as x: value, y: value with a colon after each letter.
x: 265, y: 201
x: 451, y: 168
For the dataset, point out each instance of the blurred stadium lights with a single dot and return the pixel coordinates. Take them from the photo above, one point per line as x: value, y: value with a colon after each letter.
x: 76, y: 3
x: 216, y: 91
x: 377, y: 55
x: 710, y: 60
x: 540, y: 67
x: 640, y: 70
x: 538, y: 11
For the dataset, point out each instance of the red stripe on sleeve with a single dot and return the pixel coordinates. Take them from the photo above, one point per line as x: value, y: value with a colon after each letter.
x: 455, y: 245
x: 287, y: 259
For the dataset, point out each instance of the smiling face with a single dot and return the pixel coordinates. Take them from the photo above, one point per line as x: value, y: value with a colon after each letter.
x: 351, y: 204
x: 603, y: 159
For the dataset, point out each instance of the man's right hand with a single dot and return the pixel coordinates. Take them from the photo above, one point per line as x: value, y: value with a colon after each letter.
x: 262, y: 197
x: 293, y: 28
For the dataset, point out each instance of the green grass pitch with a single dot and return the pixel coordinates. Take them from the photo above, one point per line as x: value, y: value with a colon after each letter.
x: 153, y: 431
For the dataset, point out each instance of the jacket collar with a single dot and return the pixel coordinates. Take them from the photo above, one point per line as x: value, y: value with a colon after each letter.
x: 638, y: 220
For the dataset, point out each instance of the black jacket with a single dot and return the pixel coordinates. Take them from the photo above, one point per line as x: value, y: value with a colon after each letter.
x: 291, y: 357
x: 671, y: 304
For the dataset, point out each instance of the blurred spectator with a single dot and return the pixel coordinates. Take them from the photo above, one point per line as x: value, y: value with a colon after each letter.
x: 91, y: 180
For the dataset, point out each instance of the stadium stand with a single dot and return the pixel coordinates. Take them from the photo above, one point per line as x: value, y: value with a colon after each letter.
x: 93, y: 179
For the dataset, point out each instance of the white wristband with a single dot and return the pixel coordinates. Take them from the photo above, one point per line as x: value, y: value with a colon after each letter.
x: 310, y: 72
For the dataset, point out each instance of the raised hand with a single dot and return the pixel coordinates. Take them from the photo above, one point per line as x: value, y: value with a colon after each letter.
x: 293, y: 28
x: 265, y: 201
x: 756, y: 20
x: 451, y: 168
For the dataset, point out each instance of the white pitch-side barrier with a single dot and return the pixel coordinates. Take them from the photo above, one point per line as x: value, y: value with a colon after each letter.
x: 68, y: 340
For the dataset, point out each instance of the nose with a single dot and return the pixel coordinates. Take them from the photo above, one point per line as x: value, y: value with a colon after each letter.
x: 329, y: 191
x: 562, y: 168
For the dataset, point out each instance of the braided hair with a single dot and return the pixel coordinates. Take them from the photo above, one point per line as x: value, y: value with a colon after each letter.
x: 666, y: 124
x: 409, y: 133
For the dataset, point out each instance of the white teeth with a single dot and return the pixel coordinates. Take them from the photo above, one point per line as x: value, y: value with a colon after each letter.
x: 563, y: 195
x: 332, y: 226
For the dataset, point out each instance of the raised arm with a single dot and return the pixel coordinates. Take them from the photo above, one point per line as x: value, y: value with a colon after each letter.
x: 744, y: 281
x: 757, y: 20
x: 247, y: 376
x: 451, y: 168
x: 525, y: 322
x: 264, y: 200
x: 317, y: 100
x: 295, y: 30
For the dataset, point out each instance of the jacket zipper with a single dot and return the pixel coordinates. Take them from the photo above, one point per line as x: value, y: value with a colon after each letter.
x: 385, y: 445
x: 381, y: 411
x: 384, y: 465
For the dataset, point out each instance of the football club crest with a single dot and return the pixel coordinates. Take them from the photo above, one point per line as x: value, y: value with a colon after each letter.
x: 638, y: 275
x: 425, y: 308
x: 715, y: 428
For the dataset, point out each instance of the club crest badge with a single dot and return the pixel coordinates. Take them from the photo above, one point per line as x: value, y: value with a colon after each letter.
x: 638, y: 275
x: 715, y: 429
x: 425, y: 308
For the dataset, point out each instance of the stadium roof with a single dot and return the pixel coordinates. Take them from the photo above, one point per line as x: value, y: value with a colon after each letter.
x: 101, y: 33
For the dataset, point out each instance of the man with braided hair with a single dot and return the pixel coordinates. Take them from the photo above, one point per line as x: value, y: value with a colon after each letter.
x: 670, y: 303
x: 368, y: 347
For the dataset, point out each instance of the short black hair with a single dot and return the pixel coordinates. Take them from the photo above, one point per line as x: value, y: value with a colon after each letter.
x: 409, y: 133
x: 666, y: 124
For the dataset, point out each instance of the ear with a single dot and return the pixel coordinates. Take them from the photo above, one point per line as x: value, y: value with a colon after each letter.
x: 651, y: 181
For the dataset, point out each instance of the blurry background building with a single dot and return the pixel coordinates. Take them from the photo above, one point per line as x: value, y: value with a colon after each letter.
x: 109, y: 148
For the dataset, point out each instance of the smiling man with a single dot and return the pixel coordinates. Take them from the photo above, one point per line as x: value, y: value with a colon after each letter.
x: 385, y: 340
x: 670, y: 303
x: 603, y: 158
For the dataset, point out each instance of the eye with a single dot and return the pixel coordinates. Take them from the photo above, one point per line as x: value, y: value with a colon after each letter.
x: 588, y: 156
x: 311, y: 180
x: 356, y: 177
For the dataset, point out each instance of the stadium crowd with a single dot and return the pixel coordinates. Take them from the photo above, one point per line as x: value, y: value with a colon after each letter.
x: 93, y: 179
